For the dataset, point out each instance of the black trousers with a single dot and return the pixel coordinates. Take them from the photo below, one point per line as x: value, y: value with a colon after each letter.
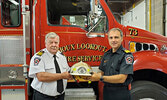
x: 116, y: 93
x: 39, y: 96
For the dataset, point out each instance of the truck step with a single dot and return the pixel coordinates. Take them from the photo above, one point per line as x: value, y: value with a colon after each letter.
x: 80, y: 94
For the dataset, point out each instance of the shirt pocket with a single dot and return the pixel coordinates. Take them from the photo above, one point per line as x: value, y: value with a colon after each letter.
x: 50, y: 69
x: 105, y: 67
x: 64, y: 68
x: 113, y: 70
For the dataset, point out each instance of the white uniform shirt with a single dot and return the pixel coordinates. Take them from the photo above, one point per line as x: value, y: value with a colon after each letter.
x: 45, y: 63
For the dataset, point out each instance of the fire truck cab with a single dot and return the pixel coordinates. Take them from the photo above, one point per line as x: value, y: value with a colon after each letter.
x: 82, y: 26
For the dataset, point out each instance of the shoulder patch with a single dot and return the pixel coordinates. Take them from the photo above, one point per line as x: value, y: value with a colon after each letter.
x: 36, y: 61
x: 40, y: 53
x: 129, y: 59
x: 127, y: 51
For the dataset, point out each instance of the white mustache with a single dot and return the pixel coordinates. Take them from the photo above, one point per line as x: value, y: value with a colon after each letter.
x: 53, y: 47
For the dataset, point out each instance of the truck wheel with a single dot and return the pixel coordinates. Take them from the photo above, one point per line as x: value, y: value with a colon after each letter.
x: 146, y: 90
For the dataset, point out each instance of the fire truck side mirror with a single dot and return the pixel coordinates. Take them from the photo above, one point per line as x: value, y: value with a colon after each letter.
x: 97, y: 25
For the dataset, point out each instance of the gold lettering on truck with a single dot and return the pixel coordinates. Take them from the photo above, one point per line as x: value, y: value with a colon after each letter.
x: 133, y: 31
x: 83, y: 46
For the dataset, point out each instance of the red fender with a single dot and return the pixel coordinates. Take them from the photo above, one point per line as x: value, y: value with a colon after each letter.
x: 150, y: 60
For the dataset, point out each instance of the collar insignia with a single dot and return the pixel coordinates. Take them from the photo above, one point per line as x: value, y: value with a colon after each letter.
x: 40, y: 53
x: 127, y: 51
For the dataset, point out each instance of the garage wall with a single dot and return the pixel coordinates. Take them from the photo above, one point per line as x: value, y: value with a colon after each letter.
x: 139, y: 16
x: 157, y: 16
x: 136, y: 16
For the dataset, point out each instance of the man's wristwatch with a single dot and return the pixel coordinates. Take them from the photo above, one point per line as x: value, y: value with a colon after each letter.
x: 101, y: 78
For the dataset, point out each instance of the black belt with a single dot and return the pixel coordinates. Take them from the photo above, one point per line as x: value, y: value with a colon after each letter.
x: 57, y: 96
x: 114, y: 85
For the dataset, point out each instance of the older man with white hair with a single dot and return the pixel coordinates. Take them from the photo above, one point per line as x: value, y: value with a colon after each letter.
x: 49, y: 70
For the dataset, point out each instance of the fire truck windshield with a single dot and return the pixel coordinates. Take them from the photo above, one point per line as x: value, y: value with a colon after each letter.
x: 10, y: 12
x: 86, y: 14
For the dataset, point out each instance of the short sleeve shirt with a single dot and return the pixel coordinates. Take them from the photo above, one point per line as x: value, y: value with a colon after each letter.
x: 45, y: 63
x: 119, y: 62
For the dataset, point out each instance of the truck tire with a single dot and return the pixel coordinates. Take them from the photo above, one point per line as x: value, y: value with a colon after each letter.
x: 147, y: 90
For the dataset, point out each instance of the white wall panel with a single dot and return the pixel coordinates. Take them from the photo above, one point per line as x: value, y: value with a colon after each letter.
x: 136, y: 17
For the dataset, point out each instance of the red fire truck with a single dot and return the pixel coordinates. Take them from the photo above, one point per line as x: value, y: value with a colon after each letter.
x: 82, y: 26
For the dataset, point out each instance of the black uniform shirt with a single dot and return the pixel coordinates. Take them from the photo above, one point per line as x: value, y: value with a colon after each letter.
x: 119, y: 62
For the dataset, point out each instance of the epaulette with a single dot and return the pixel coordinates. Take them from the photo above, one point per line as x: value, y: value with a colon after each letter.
x: 40, y: 53
x: 62, y: 53
x: 127, y: 51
